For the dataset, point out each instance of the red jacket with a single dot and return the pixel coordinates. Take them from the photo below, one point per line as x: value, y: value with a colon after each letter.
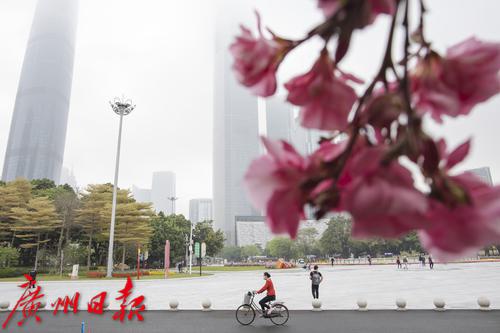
x: 269, y: 287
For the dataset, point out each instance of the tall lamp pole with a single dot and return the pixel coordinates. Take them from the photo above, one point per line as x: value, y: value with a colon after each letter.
x: 172, y: 203
x: 121, y: 107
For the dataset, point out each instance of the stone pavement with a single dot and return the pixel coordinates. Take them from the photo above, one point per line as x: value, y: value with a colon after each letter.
x: 458, y: 284
x: 452, y: 321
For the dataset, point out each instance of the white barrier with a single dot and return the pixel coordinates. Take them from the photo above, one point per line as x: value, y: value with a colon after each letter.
x: 316, y: 304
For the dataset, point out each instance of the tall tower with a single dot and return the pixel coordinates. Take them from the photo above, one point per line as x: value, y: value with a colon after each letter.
x: 38, y: 129
x: 163, y: 191
x: 236, y: 126
x: 279, y: 119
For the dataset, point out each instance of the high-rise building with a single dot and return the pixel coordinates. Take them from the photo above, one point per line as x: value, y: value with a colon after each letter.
x: 141, y: 194
x: 163, y: 192
x: 200, y: 210
x: 279, y: 119
x: 38, y: 129
x: 236, y: 126
x: 483, y: 173
x: 68, y: 177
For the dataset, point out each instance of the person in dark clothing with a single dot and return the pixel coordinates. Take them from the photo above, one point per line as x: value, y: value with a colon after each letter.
x: 398, y: 262
x: 332, y: 260
x: 431, y: 262
x: 270, y: 294
x: 369, y: 257
x: 316, y: 278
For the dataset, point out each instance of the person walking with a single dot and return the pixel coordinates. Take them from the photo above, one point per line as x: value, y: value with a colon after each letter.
x: 332, y: 260
x: 398, y: 262
x: 369, y: 257
x: 316, y: 279
x: 431, y: 262
x: 423, y: 261
x: 405, y: 262
x: 270, y: 294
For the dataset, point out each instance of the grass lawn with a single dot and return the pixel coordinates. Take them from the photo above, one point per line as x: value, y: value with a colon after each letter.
x: 48, y: 277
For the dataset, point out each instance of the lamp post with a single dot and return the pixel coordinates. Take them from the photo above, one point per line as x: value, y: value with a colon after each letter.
x: 172, y: 202
x: 121, y: 107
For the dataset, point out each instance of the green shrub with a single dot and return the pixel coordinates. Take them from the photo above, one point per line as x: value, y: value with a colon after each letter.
x: 11, y: 272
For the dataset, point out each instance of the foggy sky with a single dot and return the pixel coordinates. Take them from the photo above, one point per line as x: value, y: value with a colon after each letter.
x: 160, y: 54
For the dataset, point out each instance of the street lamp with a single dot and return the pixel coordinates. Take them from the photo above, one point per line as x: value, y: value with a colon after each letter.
x: 121, y: 107
x: 172, y: 202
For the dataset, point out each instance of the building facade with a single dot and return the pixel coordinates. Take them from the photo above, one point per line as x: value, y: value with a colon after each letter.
x: 484, y: 173
x: 163, y: 192
x: 38, y: 128
x: 200, y: 210
x: 236, y: 127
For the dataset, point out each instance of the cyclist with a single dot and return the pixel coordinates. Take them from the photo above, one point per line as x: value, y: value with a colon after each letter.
x: 271, y: 294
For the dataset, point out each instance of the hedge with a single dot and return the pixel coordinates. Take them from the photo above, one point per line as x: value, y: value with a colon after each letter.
x: 11, y: 272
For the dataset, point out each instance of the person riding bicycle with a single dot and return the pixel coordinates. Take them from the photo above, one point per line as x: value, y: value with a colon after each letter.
x: 271, y: 294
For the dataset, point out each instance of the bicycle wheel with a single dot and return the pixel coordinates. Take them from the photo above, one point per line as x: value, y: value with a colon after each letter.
x: 280, y: 315
x: 245, y: 314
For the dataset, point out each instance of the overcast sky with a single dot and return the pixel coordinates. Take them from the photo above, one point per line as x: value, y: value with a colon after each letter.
x: 160, y: 54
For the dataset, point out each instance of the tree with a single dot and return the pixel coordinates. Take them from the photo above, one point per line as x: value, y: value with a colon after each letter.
x: 66, y: 202
x: 15, y: 194
x: 175, y: 228
x: 204, y: 232
x: 91, y: 217
x: 248, y: 251
x: 35, y: 222
x: 337, y: 237
x: 282, y: 247
x: 132, y: 222
x: 306, y: 242
x: 231, y: 253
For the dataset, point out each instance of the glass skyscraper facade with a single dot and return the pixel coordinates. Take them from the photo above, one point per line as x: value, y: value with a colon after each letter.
x: 38, y: 129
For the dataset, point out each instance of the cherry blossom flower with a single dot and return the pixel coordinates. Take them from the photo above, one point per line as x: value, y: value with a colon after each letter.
x: 454, y: 84
x: 325, y: 99
x: 256, y: 60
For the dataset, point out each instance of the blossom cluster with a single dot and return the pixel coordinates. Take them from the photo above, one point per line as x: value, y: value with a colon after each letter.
x: 362, y: 166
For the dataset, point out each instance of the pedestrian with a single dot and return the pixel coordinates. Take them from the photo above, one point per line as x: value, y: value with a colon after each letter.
x: 369, y: 259
x: 398, y: 262
x: 405, y: 262
x: 423, y: 261
x: 316, y: 278
x: 332, y: 260
x: 431, y: 262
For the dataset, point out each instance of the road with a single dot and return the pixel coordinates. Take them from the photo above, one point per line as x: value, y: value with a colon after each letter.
x: 421, y: 321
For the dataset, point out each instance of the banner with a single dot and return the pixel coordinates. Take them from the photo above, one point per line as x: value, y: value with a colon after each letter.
x: 167, y: 257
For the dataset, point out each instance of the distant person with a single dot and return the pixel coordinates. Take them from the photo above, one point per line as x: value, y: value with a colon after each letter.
x: 270, y: 294
x: 420, y: 259
x: 369, y: 257
x: 405, y: 262
x: 431, y: 262
x: 423, y: 261
x: 332, y: 260
x: 316, y: 279
x: 179, y: 267
x: 398, y: 262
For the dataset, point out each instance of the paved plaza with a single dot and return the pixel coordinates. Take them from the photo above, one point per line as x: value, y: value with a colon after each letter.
x: 458, y: 284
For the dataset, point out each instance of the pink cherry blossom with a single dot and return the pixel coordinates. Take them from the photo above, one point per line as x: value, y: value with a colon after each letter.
x: 273, y: 184
x: 381, y: 198
x: 376, y: 7
x: 453, y: 85
x: 467, y: 227
x: 325, y: 99
x: 256, y: 60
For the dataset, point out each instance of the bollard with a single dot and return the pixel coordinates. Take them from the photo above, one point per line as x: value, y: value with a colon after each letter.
x: 483, y: 302
x: 83, y: 327
x: 439, y: 304
x: 316, y: 304
x: 174, y: 304
x: 362, y: 304
x: 106, y: 305
x: 4, y: 306
x: 401, y: 304
x: 206, y: 304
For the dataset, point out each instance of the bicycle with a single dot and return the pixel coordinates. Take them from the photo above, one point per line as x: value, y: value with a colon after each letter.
x: 245, y: 313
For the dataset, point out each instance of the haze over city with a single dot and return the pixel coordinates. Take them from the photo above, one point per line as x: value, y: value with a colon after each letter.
x: 161, y: 54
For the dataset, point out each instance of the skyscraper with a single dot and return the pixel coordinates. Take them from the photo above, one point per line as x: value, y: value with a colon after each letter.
x: 200, y: 210
x: 483, y: 173
x: 279, y: 119
x: 38, y: 129
x: 236, y: 128
x: 162, y: 191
